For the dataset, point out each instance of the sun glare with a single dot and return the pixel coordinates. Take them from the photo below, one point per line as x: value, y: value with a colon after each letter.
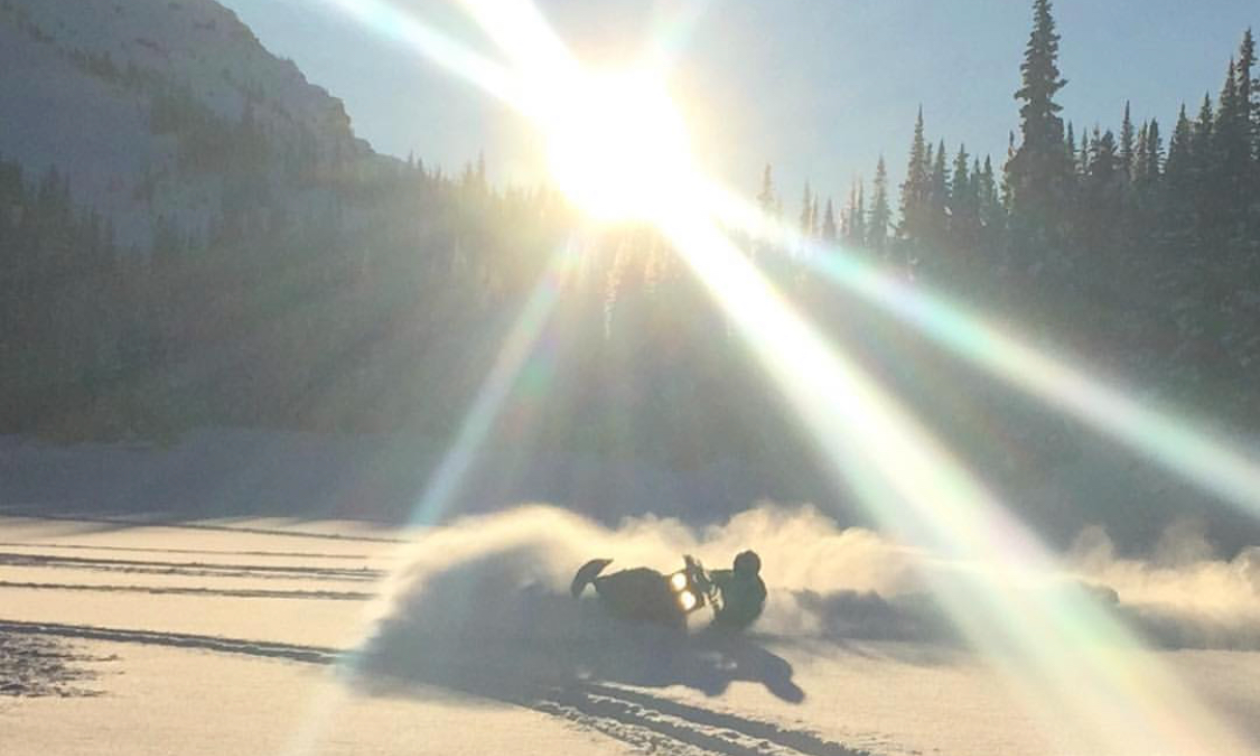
x: 617, y: 146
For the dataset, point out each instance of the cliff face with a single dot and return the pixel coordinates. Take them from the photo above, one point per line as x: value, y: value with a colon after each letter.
x: 166, y: 116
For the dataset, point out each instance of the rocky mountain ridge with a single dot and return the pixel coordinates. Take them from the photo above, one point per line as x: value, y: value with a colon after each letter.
x: 167, y: 116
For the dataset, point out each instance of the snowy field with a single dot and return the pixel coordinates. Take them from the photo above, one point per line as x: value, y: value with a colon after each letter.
x: 132, y: 622
x: 287, y: 637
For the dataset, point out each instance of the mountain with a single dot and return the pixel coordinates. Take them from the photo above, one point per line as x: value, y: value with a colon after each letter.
x: 192, y: 235
x: 166, y: 115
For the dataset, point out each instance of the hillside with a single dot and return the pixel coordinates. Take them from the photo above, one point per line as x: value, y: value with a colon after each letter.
x: 164, y: 114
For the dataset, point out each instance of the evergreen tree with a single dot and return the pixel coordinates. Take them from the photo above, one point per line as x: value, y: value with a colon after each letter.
x: 939, y: 192
x: 829, y: 233
x: 1103, y: 192
x: 1230, y: 108
x: 1138, y: 168
x: 1247, y: 62
x: 1149, y: 197
x: 964, y: 202
x: 961, y: 189
x: 1008, y: 198
x: 857, y: 214
x: 880, y: 220
x: 1154, y: 154
x: 1203, y: 145
x: 914, y: 191
x: 992, y: 210
x: 1249, y: 91
x: 807, y: 213
x: 1075, y: 172
x: 1249, y: 97
x: 1127, y: 159
x: 849, y: 225
x: 1179, y: 167
x: 964, y: 206
x: 1232, y: 121
x: 1205, y: 162
x: 1126, y: 144
x: 1232, y: 178
x: 1179, y: 178
x: 846, y: 221
x: 1082, y: 162
x: 1039, y: 169
x: 766, y: 199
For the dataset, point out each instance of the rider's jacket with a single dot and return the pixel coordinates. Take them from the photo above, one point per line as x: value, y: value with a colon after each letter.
x: 743, y: 598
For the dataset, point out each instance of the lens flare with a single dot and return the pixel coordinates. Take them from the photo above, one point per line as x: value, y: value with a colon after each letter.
x: 389, y: 22
x: 522, y: 33
x: 1061, y: 650
x: 477, y: 424
x: 1162, y: 436
x: 678, y: 581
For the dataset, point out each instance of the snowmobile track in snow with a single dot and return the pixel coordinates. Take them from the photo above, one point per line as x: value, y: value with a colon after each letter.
x: 795, y: 741
x: 181, y: 591
x: 659, y: 725
x: 162, y: 550
x: 310, y: 654
x: 194, y: 569
x: 646, y: 722
x: 129, y: 522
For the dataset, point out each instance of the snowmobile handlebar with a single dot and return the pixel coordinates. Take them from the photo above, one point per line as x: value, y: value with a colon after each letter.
x: 699, y: 580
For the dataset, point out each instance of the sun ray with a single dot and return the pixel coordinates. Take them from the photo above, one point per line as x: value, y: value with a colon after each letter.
x: 388, y: 21
x: 523, y: 34
x: 1059, y: 647
x: 487, y: 407
x: 459, y: 458
x: 673, y: 28
x: 1166, y: 437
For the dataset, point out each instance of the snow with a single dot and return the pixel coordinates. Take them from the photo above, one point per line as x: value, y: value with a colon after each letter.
x: 194, y: 42
x: 162, y: 700
x: 456, y: 644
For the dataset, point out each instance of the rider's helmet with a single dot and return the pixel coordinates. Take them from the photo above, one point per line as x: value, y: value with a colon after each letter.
x: 747, y: 563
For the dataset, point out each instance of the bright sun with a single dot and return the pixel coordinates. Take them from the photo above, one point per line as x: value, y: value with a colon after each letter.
x: 618, y: 148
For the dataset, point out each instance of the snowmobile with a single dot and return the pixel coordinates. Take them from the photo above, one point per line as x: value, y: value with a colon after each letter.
x: 643, y: 594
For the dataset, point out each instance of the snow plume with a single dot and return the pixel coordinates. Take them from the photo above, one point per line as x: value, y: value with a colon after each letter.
x: 1182, y: 595
x: 483, y: 605
x: 809, y: 563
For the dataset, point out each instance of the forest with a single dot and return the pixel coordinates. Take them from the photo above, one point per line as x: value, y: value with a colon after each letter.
x: 1134, y: 249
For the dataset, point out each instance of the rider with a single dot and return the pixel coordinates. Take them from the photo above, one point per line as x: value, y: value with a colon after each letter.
x: 742, y: 590
x: 643, y: 594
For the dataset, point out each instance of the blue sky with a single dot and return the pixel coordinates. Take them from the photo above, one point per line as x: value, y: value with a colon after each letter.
x: 818, y: 88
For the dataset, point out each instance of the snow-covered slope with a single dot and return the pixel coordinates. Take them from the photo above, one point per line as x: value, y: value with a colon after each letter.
x: 148, y: 105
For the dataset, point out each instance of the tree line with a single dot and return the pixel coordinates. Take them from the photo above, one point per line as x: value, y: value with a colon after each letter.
x: 382, y: 307
x: 1136, y: 245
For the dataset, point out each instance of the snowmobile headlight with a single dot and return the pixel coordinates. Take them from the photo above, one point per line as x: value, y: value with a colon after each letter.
x: 688, y: 600
x: 678, y: 582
